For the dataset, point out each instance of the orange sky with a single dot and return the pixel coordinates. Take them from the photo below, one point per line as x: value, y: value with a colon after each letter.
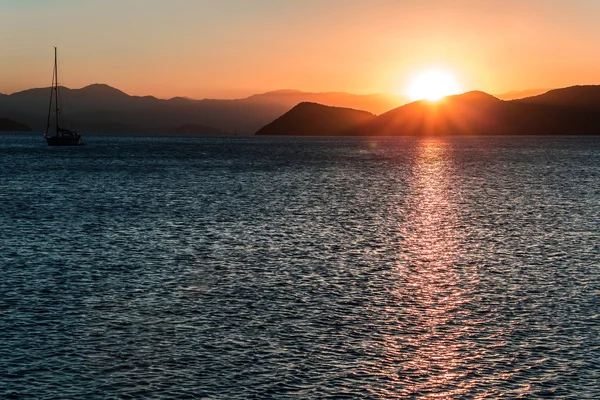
x: 226, y: 49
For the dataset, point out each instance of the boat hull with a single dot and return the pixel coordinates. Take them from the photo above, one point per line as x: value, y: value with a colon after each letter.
x: 63, y: 141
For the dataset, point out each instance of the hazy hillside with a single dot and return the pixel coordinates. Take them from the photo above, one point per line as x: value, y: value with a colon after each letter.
x: 373, y: 103
x: 520, y: 94
x: 104, y: 109
x: 10, y: 125
x: 315, y: 119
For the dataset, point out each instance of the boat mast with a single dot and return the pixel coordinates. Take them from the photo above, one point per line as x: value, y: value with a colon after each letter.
x: 51, y: 94
x: 56, y: 87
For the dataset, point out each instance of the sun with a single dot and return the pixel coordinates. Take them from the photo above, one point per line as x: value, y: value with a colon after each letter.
x: 432, y: 85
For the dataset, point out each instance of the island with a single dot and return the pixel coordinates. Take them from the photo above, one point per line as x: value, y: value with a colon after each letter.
x: 312, y: 119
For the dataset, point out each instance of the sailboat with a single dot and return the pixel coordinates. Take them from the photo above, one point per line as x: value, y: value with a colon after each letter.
x: 62, y: 136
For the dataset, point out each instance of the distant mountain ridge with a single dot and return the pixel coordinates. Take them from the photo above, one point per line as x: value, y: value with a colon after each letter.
x: 569, y: 111
x: 105, y: 109
x: 373, y: 103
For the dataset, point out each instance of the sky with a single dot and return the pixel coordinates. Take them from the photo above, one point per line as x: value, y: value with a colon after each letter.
x: 232, y: 49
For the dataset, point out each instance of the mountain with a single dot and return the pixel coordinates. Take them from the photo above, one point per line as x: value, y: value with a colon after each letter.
x: 308, y: 119
x: 103, y: 109
x: 460, y: 114
x: 573, y: 110
x: 568, y: 111
x: 10, y: 125
x: 100, y: 108
x: 520, y: 94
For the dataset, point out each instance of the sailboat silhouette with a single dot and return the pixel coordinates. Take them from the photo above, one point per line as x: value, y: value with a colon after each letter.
x: 62, y: 136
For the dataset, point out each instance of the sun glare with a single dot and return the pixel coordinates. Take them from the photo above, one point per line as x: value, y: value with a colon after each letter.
x: 432, y: 85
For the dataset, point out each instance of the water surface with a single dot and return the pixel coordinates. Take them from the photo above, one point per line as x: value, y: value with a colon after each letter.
x: 300, y: 268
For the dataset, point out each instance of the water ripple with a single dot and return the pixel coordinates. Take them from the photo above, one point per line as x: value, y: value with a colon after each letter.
x: 300, y: 268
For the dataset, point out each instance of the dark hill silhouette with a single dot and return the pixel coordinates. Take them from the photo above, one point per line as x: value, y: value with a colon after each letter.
x: 315, y: 119
x: 104, y: 109
x: 569, y: 111
x: 10, y: 125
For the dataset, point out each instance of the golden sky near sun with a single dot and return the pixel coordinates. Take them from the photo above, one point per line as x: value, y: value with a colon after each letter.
x: 203, y: 48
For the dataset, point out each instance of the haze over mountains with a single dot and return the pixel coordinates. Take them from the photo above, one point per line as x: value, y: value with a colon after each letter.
x: 102, y: 108
x: 520, y: 94
x: 573, y: 110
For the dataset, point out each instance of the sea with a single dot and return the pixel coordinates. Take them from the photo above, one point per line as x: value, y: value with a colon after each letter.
x: 300, y: 268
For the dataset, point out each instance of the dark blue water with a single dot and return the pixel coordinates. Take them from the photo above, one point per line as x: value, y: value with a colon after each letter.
x: 300, y: 268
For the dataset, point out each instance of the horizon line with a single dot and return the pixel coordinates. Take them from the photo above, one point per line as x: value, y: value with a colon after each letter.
x: 299, y: 91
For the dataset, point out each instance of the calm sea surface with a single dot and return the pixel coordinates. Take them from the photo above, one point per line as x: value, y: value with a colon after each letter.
x: 256, y: 268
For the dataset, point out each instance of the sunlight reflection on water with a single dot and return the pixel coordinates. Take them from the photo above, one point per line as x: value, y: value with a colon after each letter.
x: 436, y: 291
